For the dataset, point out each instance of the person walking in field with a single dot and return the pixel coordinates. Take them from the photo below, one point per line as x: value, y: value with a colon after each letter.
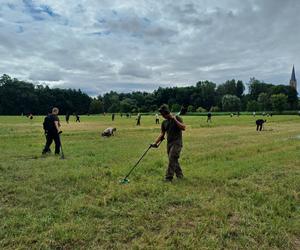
x: 156, y: 119
x: 138, y: 119
x: 67, y: 117
x: 113, y: 116
x: 77, y: 118
x: 52, y: 128
x: 208, y: 117
x: 173, y: 126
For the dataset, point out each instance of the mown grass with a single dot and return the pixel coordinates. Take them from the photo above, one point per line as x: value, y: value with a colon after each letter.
x: 240, y: 191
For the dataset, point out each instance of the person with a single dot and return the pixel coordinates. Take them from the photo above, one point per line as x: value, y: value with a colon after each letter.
x: 127, y: 115
x: 77, y: 118
x: 30, y: 116
x: 109, y: 132
x: 52, y: 128
x: 113, y: 116
x: 156, y: 119
x: 138, y: 122
x: 67, y: 117
x: 208, y: 117
x: 173, y: 126
x: 254, y: 114
x: 259, y: 124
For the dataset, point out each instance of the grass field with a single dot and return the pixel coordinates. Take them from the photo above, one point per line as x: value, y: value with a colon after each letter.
x: 240, y: 191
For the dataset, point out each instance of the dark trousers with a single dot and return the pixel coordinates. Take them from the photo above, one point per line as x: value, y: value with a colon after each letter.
x: 173, y: 151
x: 106, y: 134
x: 138, y: 123
x: 157, y: 121
x: 258, y: 126
x: 50, y: 137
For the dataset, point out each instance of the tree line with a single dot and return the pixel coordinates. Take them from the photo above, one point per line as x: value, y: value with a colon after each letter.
x: 18, y: 97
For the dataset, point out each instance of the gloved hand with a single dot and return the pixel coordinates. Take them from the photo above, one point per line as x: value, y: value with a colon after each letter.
x: 154, y: 145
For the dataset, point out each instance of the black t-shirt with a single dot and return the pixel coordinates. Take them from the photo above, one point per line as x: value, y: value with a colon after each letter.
x: 174, y: 133
x: 53, y: 119
x: 260, y: 122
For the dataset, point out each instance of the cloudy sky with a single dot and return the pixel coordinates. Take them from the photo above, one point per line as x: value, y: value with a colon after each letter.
x: 125, y: 45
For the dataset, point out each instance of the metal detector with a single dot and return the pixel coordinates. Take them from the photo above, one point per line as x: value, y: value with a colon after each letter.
x: 62, y: 152
x: 125, y: 180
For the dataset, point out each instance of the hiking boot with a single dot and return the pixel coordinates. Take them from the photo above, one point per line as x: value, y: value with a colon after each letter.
x: 168, y: 179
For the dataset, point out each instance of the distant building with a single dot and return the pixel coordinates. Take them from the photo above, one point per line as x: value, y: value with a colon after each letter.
x: 293, y: 81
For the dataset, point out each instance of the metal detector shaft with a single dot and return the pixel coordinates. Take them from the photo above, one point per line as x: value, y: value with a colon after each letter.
x: 137, y: 162
x: 62, y: 152
x: 141, y: 159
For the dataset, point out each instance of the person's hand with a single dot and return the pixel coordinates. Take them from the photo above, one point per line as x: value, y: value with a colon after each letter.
x: 154, y: 145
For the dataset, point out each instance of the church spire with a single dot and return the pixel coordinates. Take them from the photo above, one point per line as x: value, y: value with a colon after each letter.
x: 293, y: 81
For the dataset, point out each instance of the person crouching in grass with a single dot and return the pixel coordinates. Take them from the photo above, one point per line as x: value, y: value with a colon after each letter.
x: 173, y: 126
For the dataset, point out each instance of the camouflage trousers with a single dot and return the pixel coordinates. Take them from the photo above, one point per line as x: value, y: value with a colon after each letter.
x: 174, y: 167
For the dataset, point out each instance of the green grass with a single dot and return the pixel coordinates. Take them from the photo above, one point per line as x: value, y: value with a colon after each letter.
x: 240, y: 191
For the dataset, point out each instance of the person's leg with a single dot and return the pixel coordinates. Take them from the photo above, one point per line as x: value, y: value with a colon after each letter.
x: 176, y: 149
x: 257, y: 126
x: 260, y: 127
x: 174, y: 167
x: 170, y: 170
x: 57, y: 143
x: 49, y: 140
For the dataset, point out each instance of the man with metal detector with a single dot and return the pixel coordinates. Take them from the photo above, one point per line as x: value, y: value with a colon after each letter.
x: 173, y: 126
x: 52, y: 130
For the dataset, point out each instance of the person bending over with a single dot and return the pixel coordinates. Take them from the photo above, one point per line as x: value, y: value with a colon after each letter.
x: 109, y: 132
x: 259, y: 124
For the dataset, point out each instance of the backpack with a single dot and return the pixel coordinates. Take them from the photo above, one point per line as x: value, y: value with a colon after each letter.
x: 48, y: 123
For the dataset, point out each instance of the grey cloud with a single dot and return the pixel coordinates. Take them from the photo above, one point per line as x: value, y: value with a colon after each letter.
x: 147, y: 43
x: 136, y: 70
x: 53, y: 75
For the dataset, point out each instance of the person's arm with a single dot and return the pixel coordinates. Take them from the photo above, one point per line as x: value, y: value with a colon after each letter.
x: 179, y: 123
x: 57, y: 125
x: 159, y: 138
